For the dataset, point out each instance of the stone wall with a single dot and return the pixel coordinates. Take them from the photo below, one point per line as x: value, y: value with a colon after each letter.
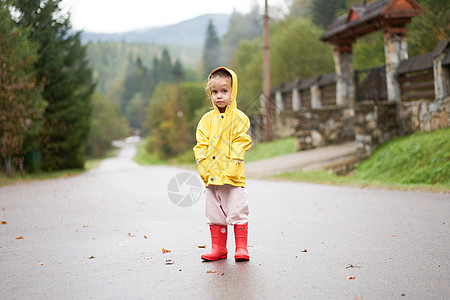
x: 283, y: 124
x: 376, y: 124
x: 323, y: 126
x: 424, y: 115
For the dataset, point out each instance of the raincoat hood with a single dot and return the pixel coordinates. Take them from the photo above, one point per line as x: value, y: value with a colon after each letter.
x: 234, y: 89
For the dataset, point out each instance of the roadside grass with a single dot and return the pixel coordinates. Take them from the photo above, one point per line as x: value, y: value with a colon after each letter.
x: 323, y: 177
x: 18, y: 178
x: 418, y: 161
x: 271, y: 149
x: 143, y: 157
x: 423, y: 157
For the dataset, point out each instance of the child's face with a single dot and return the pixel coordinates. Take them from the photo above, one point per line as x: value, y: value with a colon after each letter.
x: 220, y: 91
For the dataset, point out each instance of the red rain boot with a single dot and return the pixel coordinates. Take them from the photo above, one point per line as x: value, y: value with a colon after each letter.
x: 240, y: 235
x: 218, y: 243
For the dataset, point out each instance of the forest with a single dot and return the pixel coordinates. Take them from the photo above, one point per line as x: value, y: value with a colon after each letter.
x: 62, y: 101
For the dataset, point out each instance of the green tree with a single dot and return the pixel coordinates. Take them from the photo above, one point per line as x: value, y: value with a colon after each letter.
x: 135, y: 111
x: 162, y: 117
x: 211, y: 50
x: 247, y: 62
x: 427, y: 30
x: 21, y: 105
x: 138, y: 79
x: 324, y: 12
x: 107, y: 124
x: 299, y: 9
x: 63, y: 71
x: 161, y: 121
x: 195, y: 104
x: 369, y: 51
x: 242, y: 27
x: 297, y: 52
x: 163, y: 68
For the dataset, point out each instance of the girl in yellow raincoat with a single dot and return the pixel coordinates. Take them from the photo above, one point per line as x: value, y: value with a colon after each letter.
x: 222, y: 141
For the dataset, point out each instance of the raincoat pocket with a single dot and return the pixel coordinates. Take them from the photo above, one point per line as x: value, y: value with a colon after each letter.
x: 235, y: 169
x: 203, y: 170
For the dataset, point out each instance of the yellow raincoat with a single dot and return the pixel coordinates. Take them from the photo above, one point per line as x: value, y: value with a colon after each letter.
x: 222, y: 141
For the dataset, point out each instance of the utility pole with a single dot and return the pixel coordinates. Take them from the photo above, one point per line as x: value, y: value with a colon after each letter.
x: 266, y: 76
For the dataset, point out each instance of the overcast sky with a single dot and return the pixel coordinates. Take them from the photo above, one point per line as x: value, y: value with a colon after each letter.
x: 126, y: 15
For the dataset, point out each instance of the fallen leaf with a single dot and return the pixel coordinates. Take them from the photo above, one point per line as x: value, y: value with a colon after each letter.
x: 3, y: 209
x: 352, y: 266
x: 145, y: 237
x: 351, y: 277
x: 148, y: 258
x: 403, y: 295
x: 165, y: 250
x: 222, y: 273
x: 40, y: 264
x: 91, y: 257
x: 394, y: 235
x: 215, y: 271
x: 87, y: 225
x: 131, y: 235
x: 3, y: 222
x: 19, y: 238
x: 169, y: 262
x: 304, y: 250
x: 202, y: 246
x: 121, y: 245
x: 357, y: 298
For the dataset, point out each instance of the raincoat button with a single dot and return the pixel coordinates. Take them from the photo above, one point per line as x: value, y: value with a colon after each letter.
x: 214, y: 157
x: 222, y: 117
x: 212, y: 179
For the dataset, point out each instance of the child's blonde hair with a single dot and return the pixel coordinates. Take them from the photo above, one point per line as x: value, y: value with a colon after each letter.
x: 219, y: 73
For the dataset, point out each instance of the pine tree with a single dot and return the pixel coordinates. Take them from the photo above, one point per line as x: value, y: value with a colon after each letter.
x: 242, y: 27
x: 63, y: 71
x: 21, y: 104
x: 211, y: 49
x: 164, y: 70
x: 324, y: 12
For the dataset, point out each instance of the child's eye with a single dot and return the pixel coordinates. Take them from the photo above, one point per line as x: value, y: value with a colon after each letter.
x: 224, y: 91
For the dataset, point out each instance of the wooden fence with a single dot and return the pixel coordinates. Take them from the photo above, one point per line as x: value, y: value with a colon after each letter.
x: 416, y: 78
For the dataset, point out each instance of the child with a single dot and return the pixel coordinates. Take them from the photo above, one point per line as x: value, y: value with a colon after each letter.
x: 222, y: 141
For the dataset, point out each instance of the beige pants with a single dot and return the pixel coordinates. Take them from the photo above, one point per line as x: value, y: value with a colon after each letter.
x: 226, y: 204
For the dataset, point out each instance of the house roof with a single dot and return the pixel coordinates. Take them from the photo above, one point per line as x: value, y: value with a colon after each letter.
x: 416, y: 63
x: 307, y: 83
x: 425, y: 61
x: 288, y: 87
x: 440, y: 47
x: 328, y: 79
x: 364, y: 19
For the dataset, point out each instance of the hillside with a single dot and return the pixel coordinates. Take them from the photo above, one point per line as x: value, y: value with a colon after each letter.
x: 421, y: 160
x: 190, y: 32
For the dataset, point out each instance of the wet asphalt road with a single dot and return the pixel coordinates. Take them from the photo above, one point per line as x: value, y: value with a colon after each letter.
x: 83, y: 238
